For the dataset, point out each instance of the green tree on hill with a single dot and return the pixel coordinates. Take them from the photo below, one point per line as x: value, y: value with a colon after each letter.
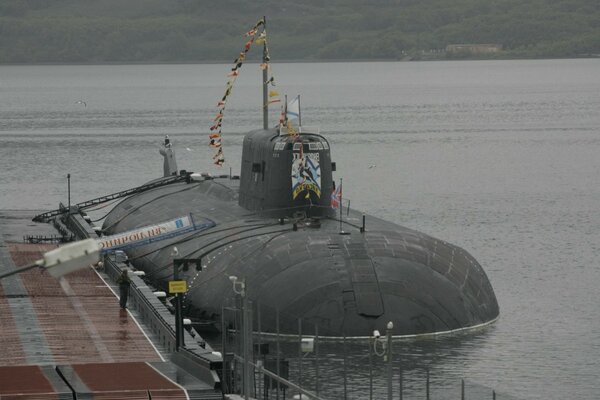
x: 91, y: 31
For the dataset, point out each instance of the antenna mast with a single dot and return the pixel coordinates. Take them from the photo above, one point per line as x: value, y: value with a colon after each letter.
x: 265, y: 77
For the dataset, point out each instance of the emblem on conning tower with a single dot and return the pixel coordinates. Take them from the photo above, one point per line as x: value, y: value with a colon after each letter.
x: 306, y: 174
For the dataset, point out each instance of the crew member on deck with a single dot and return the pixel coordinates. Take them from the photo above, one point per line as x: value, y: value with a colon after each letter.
x: 124, y: 283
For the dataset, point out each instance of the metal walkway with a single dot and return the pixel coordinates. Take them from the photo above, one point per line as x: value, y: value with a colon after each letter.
x: 47, y: 216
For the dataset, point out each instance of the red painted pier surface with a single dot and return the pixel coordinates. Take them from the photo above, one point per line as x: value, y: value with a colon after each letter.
x: 79, y: 317
x: 72, y: 330
x: 124, y: 380
x: 26, y: 380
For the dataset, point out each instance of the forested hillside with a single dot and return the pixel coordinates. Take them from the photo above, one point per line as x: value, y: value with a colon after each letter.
x: 92, y: 31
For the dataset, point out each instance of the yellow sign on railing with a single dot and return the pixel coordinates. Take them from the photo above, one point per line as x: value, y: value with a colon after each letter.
x: 177, y: 287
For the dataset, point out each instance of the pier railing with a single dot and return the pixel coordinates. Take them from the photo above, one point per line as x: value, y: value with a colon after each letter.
x: 161, y: 323
x: 198, y: 360
x: 303, y: 364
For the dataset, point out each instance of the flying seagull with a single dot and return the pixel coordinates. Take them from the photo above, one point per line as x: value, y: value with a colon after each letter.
x: 81, y: 102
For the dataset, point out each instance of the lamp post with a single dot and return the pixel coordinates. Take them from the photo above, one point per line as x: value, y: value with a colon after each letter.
x: 178, y: 287
x: 386, y: 353
x: 65, y: 259
x: 239, y: 287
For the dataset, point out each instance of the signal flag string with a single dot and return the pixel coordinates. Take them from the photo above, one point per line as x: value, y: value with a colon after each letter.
x: 215, y: 136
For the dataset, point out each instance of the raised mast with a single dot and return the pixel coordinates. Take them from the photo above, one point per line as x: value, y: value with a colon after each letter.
x: 265, y: 77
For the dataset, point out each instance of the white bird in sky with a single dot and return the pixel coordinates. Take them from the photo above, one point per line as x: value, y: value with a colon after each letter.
x: 81, y: 102
x: 188, y: 149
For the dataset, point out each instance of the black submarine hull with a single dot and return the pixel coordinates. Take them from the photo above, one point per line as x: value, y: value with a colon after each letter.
x: 348, y: 284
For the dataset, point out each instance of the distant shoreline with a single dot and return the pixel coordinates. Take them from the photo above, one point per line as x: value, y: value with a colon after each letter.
x: 301, y: 61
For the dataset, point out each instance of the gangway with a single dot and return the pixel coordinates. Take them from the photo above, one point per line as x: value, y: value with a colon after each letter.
x: 48, y: 216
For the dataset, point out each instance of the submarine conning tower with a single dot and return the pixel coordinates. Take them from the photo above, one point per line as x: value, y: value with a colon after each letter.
x: 286, y: 175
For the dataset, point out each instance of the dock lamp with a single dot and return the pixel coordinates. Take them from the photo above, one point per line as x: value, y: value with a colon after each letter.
x: 177, y: 287
x: 65, y: 259
x: 239, y: 287
x: 386, y: 352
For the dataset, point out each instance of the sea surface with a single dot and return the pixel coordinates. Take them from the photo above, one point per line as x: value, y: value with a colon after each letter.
x: 499, y: 157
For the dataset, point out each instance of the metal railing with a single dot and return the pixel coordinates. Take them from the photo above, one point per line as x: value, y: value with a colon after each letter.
x: 303, y: 364
x: 47, y: 216
x: 157, y: 319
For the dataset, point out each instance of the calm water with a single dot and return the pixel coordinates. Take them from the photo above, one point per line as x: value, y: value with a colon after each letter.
x: 499, y: 157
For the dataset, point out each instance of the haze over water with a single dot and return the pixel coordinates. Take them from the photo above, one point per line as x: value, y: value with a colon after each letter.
x: 499, y: 157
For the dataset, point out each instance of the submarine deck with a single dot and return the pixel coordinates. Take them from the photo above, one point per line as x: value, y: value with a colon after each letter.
x: 69, y: 338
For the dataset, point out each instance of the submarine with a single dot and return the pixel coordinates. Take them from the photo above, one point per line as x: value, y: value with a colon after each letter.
x: 349, y: 274
x: 273, y: 228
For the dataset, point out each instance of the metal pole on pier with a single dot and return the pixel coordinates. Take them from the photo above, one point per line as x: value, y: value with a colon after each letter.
x: 278, y: 360
x: 345, y: 372
x: 239, y: 287
x: 401, y: 389
x: 177, y: 309
x: 260, y: 361
x: 299, y: 352
x: 371, y: 344
x: 179, y: 340
x: 427, y: 385
x: 245, y: 329
x: 317, y: 360
x: 389, y: 355
x: 177, y: 287
x: 224, y: 329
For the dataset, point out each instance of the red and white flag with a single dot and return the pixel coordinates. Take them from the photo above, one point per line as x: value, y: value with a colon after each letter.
x: 336, y: 197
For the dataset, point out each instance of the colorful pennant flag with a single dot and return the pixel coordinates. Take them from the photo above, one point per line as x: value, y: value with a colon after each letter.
x: 219, y: 158
x: 215, y: 135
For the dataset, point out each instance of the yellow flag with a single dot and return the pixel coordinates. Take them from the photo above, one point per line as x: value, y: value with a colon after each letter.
x: 273, y: 93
